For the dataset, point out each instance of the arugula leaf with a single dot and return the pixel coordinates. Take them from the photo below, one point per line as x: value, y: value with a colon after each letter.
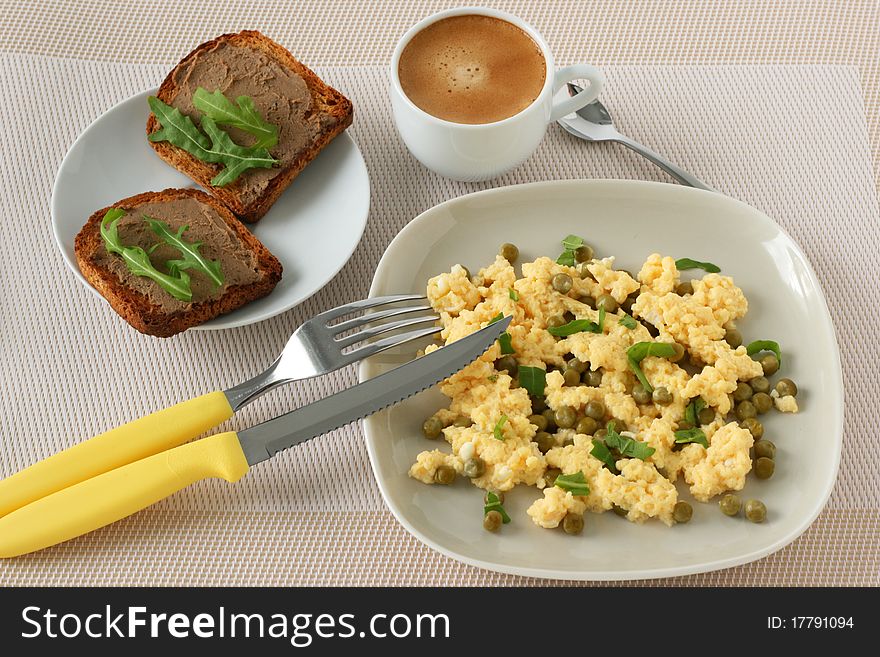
x: 692, y: 411
x: 494, y: 504
x: 504, y: 340
x: 626, y: 446
x: 241, y: 114
x: 683, y: 264
x: 570, y: 244
x: 192, y: 259
x: 574, y: 326
x: 513, y: 294
x: 695, y: 435
x: 533, y: 379
x: 639, y: 351
x: 601, y: 452
x: 176, y: 283
x: 575, y: 483
x: 498, y: 426
x: 216, y: 148
x: 497, y: 318
x: 601, y: 319
x: 628, y: 322
x: 765, y: 345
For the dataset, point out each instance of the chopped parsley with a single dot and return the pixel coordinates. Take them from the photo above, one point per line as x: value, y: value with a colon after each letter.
x: 639, y: 351
x: 765, y: 345
x: 692, y: 411
x: 683, y: 264
x: 601, y: 452
x: 601, y: 319
x: 626, y: 446
x: 493, y: 503
x: 570, y: 244
x: 694, y: 435
x: 576, y: 483
x: 505, y: 343
x: 575, y: 326
x: 498, y: 426
x: 533, y: 379
x: 497, y: 318
x: 628, y: 322
x: 513, y: 294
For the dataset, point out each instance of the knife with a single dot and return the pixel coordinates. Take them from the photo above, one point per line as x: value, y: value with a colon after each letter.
x: 118, y: 493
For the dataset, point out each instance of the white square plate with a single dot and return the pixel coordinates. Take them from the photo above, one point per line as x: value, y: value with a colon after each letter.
x: 629, y: 220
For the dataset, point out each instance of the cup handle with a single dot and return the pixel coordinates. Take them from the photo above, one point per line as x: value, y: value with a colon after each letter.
x: 585, y: 97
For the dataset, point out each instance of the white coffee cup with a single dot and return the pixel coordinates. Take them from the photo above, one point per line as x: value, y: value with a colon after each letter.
x: 472, y: 152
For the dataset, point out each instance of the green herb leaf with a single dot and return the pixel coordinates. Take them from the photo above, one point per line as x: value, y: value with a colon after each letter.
x: 566, y: 258
x: 695, y: 435
x: 601, y: 319
x: 683, y: 264
x: 504, y: 341
x: 601, y: 452
x: 497, y: 318
x: 765, y: 345
x: 498, y: 426
x: 575, y: 483
x: 176, y: 283
x: 241, y: 114
x: 492, y: 377
x: 570, y: 244
x: 192, y: 259
x: 639, y: 351
x: 533, y: 379
x: 217, y: 148
x: 574, y: 326
x: 494, y: 504
x: 626, y: 446
x: 628, y: 322
x: 513, y: 294
x: 692, y: 411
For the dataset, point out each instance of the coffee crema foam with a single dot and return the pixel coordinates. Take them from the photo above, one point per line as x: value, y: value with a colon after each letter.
x: 472, y: 69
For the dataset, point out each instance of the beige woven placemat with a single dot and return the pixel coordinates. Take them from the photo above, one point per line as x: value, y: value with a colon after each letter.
x: 314, y: 515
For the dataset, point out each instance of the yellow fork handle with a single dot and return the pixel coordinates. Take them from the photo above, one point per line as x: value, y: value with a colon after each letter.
x: 114, y: 495
x: 133, y: 441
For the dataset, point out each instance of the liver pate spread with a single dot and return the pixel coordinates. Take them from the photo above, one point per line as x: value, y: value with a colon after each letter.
x: 281, y: 96
x: 219, y: 242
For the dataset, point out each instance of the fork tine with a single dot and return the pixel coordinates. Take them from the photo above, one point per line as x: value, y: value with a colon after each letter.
x: 375, y: 317
x: 340, y: 311
x: 354, y: 338
x: 387, y: 343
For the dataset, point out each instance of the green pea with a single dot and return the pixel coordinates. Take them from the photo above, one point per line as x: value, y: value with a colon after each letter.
x: 760, y: 384
x: 444, y: 474
x: 550, y: 475
x: 578, y: 365
x: 745, y: 409
x: 592, y: 378
x: 539, y: 421
x: 509, y: 252
x: 550, y: 415
x: 765, y: 449
x: 706, y: 416
x: 753, y: 426
x: 662, y: 396
x: 492, y: 521
x: 786, y: 388
x: 555, y: 321
x: 743, y: 391
x: 682, y: 512
x: 474, y: 467
x: 573, y: 523
x: 566, y: 417
x: 538, y: 404
x: 756, y: 511
x: 640, y: 395
x: 730, y: 505
x: 595, y: 410
x: 763, y: 402
x: 683, y: 288
x: 764, y: 467
x: 769, y: 363
x: 432, y: 427
x: 620, y: 511
x: 679, y: 353
x: 583, y: 253
x: 562, y: 283
x: 507, y: 364
x: 608, y: 302
x: 583, y: 271
x: 733, y: 337
x: 587, y: 426
x: 463, y: 421
x: 571, y: 377
x: 545, y: 441
x: 588, y: 301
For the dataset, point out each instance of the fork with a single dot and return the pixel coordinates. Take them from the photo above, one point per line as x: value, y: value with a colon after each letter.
x: 320, y: 345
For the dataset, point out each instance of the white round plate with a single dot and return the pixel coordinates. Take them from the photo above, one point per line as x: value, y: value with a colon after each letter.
x: 312, y: 229
x: 629, y: 220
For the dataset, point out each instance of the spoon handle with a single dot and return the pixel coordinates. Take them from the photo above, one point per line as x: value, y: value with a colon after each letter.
x: 679, y: 174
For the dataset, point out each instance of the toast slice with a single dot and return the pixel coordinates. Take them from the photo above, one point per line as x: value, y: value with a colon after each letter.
x: 308, y: 113
x: 249, y: 270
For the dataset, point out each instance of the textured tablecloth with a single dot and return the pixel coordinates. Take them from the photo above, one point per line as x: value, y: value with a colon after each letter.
x: 798, y: 146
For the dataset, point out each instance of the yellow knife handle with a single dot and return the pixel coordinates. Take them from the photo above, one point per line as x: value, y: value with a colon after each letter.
x: 118, y: 493
x: 133, y: 441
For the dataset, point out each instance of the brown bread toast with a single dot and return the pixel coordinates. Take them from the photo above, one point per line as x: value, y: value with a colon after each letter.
x: 328, y: 114
x: 142, y: 302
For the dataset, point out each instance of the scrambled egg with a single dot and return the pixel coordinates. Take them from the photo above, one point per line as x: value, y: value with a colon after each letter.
x: 482, y: 396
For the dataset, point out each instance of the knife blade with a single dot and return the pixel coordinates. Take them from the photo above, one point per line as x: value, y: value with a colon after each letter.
x: 263, y: 441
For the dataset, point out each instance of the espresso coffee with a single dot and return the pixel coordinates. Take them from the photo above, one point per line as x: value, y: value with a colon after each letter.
x: 472, y: 69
